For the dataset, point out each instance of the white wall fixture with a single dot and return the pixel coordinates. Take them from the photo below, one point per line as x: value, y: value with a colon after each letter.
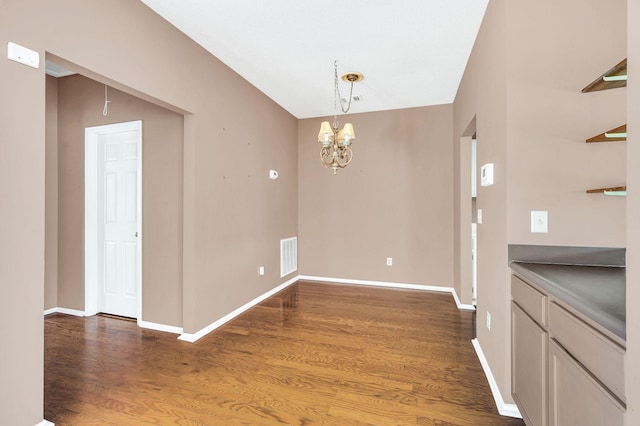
x: 479, y: 218
x: 486, y: 175
x: 273, y: 174
x: 21, y: 54
x: 389, y: 261
x: 261, y: 270
x: 539, y: 221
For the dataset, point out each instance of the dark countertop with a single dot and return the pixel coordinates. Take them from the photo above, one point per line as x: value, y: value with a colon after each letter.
x: 568, y: 255
x: 599, y: 292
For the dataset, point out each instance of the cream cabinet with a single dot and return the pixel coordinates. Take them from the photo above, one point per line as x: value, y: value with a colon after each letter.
x: 529, y: 367
x: 576, y: 397
x: 564, y: 371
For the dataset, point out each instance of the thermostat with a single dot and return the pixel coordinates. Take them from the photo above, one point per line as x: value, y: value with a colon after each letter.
x: 486, y: 175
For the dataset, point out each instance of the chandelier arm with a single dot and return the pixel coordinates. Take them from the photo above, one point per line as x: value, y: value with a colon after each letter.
x: 326, y: 157
x: 344, y: 157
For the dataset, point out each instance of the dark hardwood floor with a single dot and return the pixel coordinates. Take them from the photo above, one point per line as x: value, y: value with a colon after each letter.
x: 313, y: 354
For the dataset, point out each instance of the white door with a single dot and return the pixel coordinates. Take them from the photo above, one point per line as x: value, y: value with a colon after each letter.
x: 116, y: 149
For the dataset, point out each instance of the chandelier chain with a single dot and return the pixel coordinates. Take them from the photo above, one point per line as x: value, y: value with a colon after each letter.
x: 337, y: 96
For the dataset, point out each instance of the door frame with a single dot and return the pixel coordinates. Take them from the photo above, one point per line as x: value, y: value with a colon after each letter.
x: 463, y: 216
x: 91, y: 226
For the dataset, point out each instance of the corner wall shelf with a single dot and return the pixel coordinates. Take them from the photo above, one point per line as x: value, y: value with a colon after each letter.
x: 618, y: 134
x: 614, y: 190
x: 613, y: 78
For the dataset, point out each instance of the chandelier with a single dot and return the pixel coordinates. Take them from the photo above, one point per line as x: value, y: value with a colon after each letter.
x: 335, y: 152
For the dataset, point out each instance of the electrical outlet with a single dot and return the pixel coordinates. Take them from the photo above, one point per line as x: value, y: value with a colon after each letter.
x: 488, y: 321
x: 261, y: 270
x: 389, y: 261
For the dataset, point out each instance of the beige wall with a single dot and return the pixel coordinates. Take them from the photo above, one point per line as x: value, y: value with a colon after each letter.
x: 22, y: 190
x: 632, y: 366
x: 551, y: 57
x: 522, y: 84
x: 233, y: 215
x: 80, y: 104
x: 51, y: 196
x: 393, y: 200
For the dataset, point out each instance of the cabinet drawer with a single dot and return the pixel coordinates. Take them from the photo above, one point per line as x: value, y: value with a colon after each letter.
x: 575, y: 398
x: 597, y: 353
x: 531, y: 300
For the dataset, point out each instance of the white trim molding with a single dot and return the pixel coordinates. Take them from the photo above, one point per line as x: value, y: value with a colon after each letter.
x: 45, y: 423
x: 504, y: 409
x: 189, y: 337
x: 160, y: 327
x: 451, y: 290
x: 66, y: 311
x: 461, y: 306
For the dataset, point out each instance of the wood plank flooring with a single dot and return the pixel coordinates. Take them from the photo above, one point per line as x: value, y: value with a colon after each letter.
x: 312, y: 354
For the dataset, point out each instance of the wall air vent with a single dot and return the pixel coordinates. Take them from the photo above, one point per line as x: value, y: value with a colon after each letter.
x: 288, y: 256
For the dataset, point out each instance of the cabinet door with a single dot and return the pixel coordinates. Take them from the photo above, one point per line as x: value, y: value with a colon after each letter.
x: 575, y: 397
x: 528, y: 367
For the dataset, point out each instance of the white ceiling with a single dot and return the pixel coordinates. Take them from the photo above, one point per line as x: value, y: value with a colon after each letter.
x: 412, y: 52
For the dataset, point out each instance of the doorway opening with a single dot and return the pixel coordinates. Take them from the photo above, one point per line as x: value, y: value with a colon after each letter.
x: 474, y: 221
x: 113, y: 207
x: 467, y: 217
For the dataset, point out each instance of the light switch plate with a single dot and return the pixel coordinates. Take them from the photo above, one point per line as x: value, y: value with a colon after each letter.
x: 539, y: 221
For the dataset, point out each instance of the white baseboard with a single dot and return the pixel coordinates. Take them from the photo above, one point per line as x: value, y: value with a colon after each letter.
x: 188, y: 337
x: 461, y: 306
x: 504, y: 409
x: 141, y: 323
x: 45, y: 423
x: 160, y: 327
x: 393, y: 285
x: 66, y: 311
